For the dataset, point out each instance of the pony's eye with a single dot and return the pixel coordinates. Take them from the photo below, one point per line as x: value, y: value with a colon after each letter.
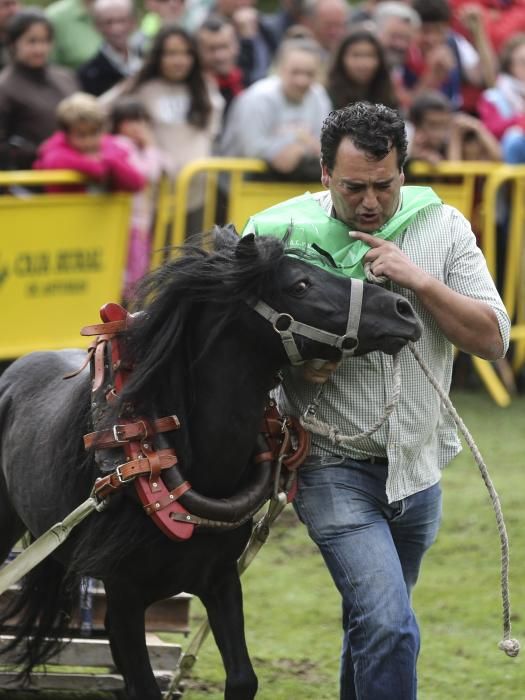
x: 300, y: 287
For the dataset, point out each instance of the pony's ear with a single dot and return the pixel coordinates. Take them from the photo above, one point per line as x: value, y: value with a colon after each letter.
x: 246, y: 247
x: 231, y: 228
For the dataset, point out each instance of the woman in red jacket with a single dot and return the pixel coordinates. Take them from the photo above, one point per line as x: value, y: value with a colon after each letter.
x: 82, y: 145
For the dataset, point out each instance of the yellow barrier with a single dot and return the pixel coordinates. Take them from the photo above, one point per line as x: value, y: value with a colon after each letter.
x: 63, y: 254
x: 455, y: 183
x: 245, y: 197
x: 62, y: 257
x: 514, y: 281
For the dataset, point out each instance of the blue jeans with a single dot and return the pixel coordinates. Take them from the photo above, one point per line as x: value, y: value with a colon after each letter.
x: 373, y: 551
x: 513, y: 146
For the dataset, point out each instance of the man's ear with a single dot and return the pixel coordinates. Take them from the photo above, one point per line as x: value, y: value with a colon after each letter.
x: 325, y: 176
x: 402, y: 177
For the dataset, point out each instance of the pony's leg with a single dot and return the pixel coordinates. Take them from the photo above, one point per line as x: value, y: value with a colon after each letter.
x: 223, y: 604
x: 127, y: 637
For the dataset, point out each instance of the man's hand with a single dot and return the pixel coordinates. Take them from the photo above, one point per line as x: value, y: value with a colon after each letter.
x: 319, y: 371
x: 387, y: 259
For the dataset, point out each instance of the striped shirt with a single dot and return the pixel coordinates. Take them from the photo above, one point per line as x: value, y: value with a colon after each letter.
x: 420, y: 437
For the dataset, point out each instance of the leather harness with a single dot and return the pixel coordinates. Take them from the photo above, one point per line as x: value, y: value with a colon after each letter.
x: 133, y: 439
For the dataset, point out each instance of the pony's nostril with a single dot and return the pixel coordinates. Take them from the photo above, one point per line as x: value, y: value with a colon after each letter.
x: 404, y: 308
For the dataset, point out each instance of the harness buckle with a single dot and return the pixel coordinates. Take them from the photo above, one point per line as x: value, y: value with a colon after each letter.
x: 122, y: 479
x: 118, y: 432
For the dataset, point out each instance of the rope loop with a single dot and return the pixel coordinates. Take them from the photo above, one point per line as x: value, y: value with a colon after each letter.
x: 511, y: 647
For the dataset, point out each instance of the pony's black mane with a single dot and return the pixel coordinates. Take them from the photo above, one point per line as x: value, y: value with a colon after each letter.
x: 172, y: 298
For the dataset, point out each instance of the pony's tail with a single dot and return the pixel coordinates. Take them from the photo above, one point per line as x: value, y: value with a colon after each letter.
x: 39, y: 614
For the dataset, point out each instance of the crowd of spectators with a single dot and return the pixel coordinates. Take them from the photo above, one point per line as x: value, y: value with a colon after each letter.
x: 222, y: 77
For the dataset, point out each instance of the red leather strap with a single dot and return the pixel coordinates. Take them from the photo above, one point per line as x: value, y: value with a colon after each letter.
x: 107, y: 328
x: 167, y: 499
x: 181, y: 529
x: 99, y: 369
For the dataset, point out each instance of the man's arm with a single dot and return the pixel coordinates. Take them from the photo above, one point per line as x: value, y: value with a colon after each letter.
x: 470, y: 324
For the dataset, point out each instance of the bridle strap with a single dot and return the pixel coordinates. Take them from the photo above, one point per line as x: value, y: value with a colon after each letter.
x: 354, y: 311
x: 286, y: 326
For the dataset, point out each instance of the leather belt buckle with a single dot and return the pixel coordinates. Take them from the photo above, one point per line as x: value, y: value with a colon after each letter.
x: 118, y: 431
x: 122, y: 479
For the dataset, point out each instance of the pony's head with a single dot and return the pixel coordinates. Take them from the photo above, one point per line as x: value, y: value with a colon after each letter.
x: 221, y: 287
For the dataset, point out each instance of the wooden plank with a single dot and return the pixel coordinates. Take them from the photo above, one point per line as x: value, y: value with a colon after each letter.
x: 76, y: 681
x: 170, y: 615
x: 96, y: 652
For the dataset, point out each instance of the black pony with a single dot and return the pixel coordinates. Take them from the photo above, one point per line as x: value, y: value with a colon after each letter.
x: 200, y: 352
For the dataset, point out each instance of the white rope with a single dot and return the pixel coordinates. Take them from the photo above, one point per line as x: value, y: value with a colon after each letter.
x: 310, y: 422
x: 510, y: 646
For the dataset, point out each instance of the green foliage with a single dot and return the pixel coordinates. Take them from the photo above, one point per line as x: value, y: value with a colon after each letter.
x: 292, y: 609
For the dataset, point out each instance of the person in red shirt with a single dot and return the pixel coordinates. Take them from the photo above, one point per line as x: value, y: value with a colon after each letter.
x: 82, y: 145
x: 501, y: 18
x: 218, y: 50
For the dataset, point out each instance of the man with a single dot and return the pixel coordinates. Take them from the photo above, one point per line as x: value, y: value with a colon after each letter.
x: 218, y: 51
x: 439, y: 134
x: 115, y: 60
x: 328, y: 20
x: 8, y: 8
x: 502, y: 19
x: 257, y: 41
x: 374, y: 508
x: 444, y: 60
x: 278, y: 119
x: 397, y: 27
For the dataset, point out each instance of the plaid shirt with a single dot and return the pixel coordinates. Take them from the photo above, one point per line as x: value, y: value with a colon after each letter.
x: 419, y: 437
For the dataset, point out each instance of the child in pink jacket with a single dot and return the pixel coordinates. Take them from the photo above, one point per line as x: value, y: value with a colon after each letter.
x: 82, y: 145
x: 130, y: 122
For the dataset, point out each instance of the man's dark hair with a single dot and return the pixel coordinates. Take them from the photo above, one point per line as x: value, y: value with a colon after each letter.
x: 372, y: 128
x: 215, y: 23
x: 433, y: 10
x: 428, y: 101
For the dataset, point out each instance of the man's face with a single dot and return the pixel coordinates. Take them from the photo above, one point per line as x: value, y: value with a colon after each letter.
x: 8, y: 8
x: 329, y: 24
x: 116, y: 25
x: 365, y: 192
x: 396, y: 37
x: 435, y: 128
x: 432, y: 35
x: 218, y: 50
x: 297, y: 71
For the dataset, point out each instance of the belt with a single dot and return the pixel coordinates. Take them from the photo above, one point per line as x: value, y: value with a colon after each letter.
x: 374, y: 460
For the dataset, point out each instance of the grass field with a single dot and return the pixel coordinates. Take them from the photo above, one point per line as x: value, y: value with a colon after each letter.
x: 292, y: 610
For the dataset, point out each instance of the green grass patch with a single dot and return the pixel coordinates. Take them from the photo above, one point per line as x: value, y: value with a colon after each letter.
x: 293, y: 611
